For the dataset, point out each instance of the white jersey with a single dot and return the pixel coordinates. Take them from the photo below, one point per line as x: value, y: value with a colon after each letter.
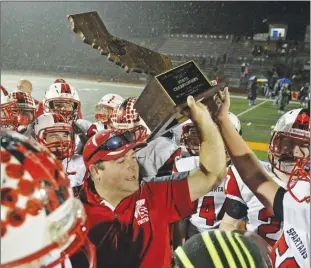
x: 100, y: 126
x: 259, y: 219
x: 210, y: 208
x: 154, y: 156
x: 293, y: 248
x: 75, y: 169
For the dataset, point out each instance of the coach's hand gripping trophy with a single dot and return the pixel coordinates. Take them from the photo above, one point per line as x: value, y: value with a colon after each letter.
x: 163, y: 102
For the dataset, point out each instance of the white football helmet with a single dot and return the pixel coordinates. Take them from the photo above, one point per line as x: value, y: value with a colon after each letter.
x: 104, y: 108
x: 63, y: 99
x: 235, y: 122
x: 41, y: 221
x: 290, y: 141
x: 50, y: 123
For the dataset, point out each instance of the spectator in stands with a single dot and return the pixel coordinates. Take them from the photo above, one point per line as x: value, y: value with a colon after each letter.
x: 252, y: 92
x: 224, y: 58
x: 217, y: 61
x: 265, y: 50
x: 268, y: 40
x: 284, y: 97
x: 279, y: 44
x: 243, y: 66
x: 304, y: 95
x: 246, y: 70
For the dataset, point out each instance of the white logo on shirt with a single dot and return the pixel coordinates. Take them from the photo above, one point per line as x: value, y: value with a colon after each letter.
x: 141, y: 212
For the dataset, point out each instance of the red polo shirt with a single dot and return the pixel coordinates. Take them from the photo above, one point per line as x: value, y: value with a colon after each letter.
x: 136, y: 232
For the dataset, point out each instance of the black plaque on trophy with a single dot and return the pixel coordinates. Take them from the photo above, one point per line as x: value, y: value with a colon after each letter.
x: 164, y: 98
x: 183, y: 81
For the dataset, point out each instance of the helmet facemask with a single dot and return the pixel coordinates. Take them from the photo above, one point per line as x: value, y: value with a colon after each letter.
x: 67, y: 107
x: 62, y: 148
x: 9, y: 116
x: 286, y: 149
x: 300, y: 173
x: 140, y: 133
x: 190, y: 139
x: 103, y: 113
x: 25, y: 114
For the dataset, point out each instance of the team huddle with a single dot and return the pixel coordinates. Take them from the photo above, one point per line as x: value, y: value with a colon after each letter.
x: 76, y: 193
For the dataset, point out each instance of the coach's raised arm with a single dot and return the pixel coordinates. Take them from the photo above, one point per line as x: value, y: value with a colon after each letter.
x: 212, y: 152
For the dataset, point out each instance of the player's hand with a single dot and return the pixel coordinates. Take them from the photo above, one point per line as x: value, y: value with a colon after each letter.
x: 199, y: 113
x: 223, y: 102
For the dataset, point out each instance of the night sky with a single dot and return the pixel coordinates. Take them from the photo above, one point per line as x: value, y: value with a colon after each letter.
x: 143, y: 19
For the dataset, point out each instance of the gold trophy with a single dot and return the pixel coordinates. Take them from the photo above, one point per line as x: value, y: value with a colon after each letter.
x: 163, y: 101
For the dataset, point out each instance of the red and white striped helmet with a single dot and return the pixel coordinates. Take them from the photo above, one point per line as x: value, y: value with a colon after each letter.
x: 125, y: 117
x: 104, y: 108
x: 41, y: 221
x: 25, y: 106
x: 63, y: 99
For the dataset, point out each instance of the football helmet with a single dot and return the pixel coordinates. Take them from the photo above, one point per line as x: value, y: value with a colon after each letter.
x: 125, y: 117
x: 50, y: 124
x: 61, y: 98
x: 290, y: 141
x: 301, y: 174
x: 104, y: 108
x: 25, y: 106
x: 8, y: 115
x: 41, y: 221
x: 60, y: 80
x: 191, y: 140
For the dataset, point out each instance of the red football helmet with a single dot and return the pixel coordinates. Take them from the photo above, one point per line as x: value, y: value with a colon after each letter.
x: 190, y: 139
x: 41, y: 221
x: 125, y: 117
x: 9, y: 117
x: 60, y: 80
x: 25, y: 106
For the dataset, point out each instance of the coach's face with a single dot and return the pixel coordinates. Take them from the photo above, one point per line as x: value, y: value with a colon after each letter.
x: 121, y: 174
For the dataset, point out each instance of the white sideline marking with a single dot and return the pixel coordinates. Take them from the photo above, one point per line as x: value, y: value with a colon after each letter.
x: 263, y: 99
x: 252, y: 108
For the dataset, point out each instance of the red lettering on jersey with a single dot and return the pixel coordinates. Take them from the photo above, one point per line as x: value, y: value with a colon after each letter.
x: 273, y: 226
x: 231, y: 186
x: 207, y: 211
x: 281, y: 246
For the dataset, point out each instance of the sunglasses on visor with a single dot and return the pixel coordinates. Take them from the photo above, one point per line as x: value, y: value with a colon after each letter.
x: 115, y: 142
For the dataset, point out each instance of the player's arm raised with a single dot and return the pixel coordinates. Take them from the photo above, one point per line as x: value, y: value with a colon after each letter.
x: 245, y: 160
x: 212, y: 153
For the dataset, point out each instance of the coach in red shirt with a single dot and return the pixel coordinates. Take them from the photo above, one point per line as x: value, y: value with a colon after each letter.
x: 130, y: 222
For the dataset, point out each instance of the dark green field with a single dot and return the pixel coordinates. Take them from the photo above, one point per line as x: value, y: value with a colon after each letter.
x: 257, y: 123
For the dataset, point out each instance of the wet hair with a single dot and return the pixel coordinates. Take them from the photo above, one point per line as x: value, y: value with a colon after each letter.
x: 220, y: 249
